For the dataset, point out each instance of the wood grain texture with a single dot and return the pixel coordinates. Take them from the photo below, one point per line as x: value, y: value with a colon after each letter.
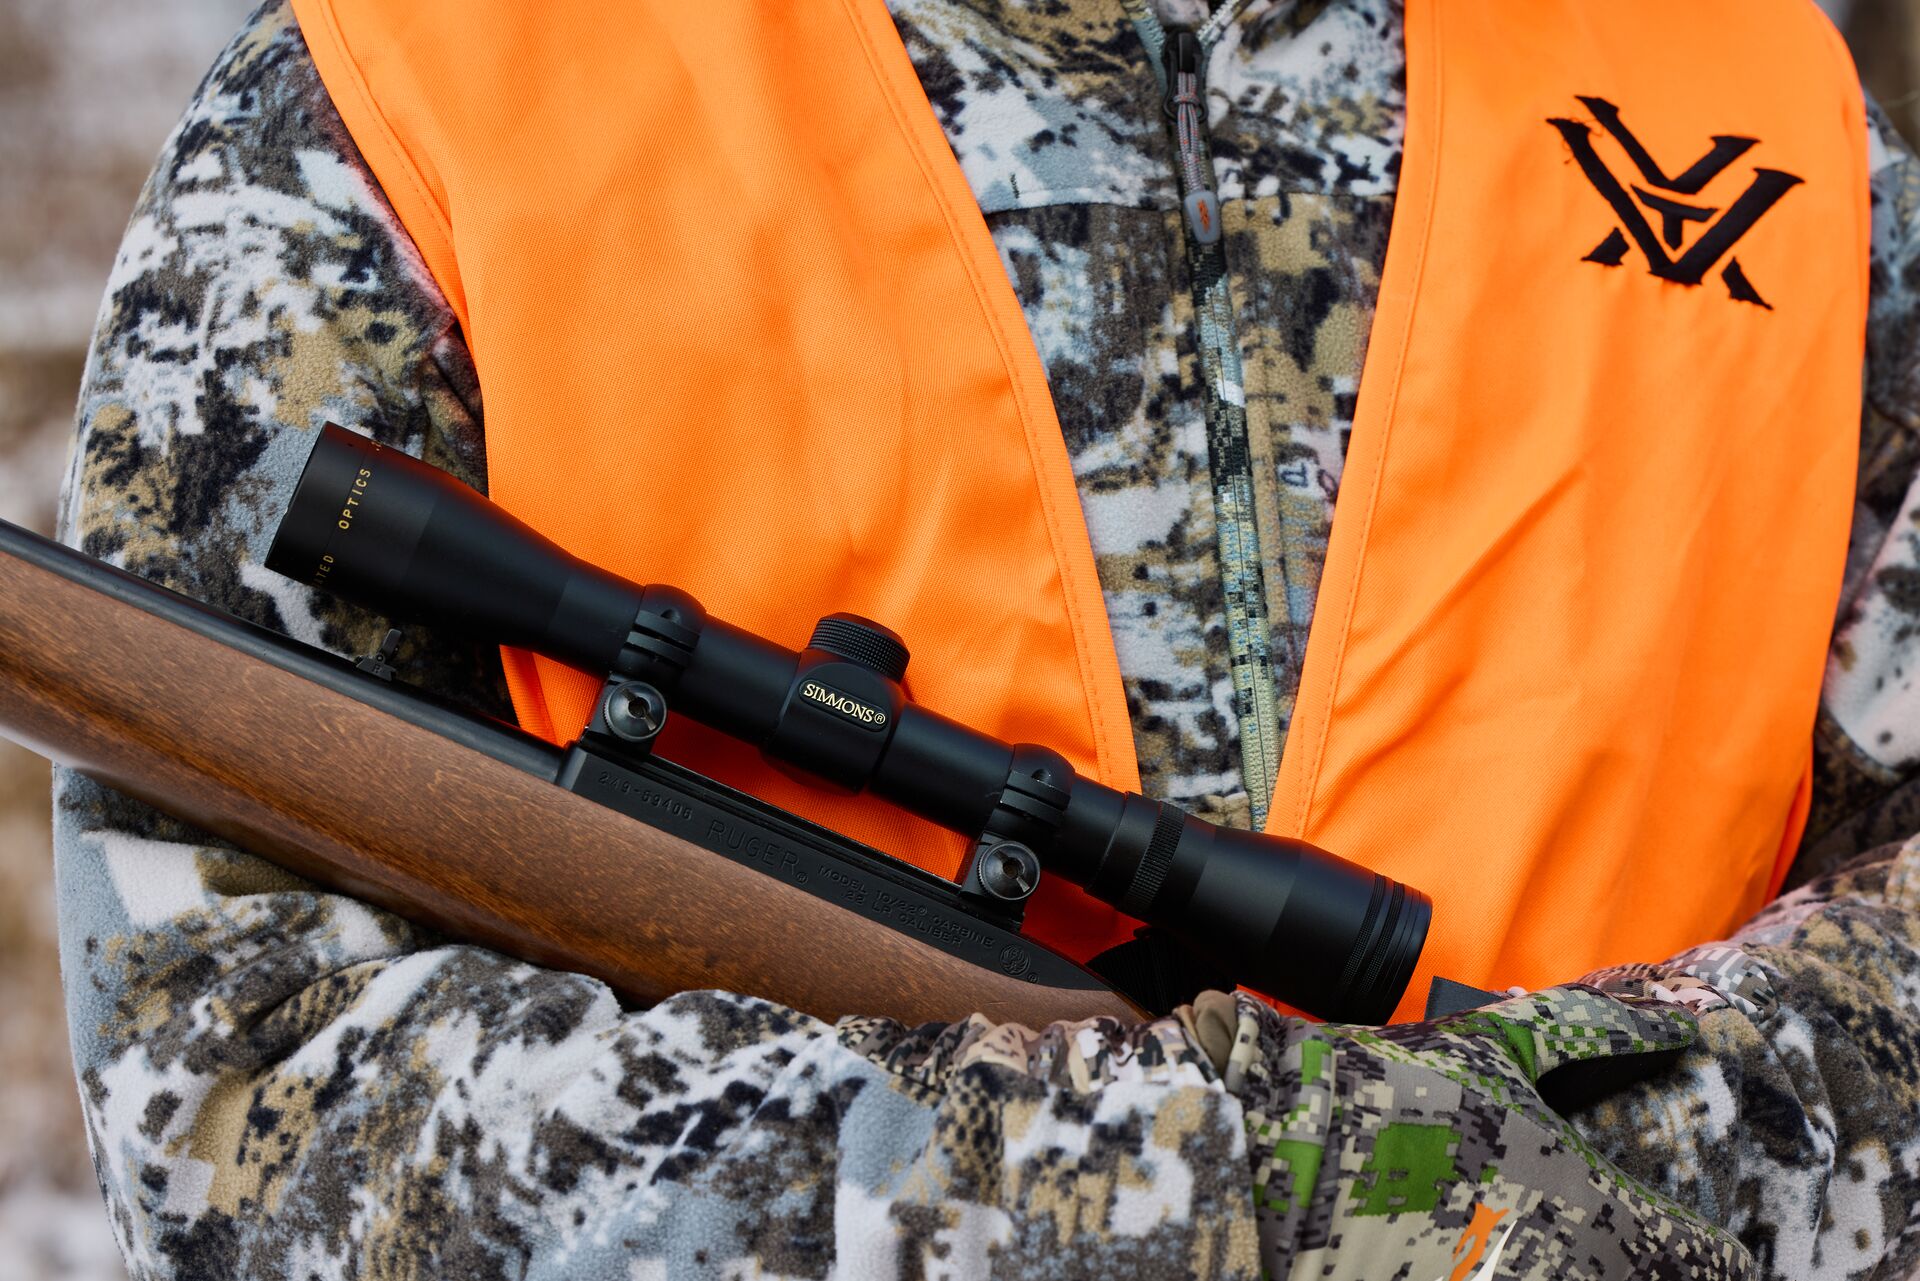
x: 392, y: 813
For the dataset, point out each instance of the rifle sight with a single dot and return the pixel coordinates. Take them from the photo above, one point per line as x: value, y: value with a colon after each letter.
x: 1281, y: 916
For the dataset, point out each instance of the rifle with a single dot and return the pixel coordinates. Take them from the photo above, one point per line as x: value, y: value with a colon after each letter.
x: 602, y: 858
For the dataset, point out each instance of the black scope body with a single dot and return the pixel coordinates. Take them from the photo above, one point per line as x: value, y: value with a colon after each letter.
x: 1281, y: 916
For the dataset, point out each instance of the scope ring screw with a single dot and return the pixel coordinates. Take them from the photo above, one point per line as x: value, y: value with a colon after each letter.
x: 1009, y: 871
x: 636, y: 711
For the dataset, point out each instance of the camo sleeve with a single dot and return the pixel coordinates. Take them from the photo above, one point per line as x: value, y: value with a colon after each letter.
x: 1794, y: 1121
x: 1867, y: 740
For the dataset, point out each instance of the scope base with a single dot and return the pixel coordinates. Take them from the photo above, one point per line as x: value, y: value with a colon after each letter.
x: 816, y: 859
x: 977, y: 919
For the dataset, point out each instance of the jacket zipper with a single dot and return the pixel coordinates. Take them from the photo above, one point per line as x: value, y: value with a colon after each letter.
x: 1229, y: 458
x: 1186, y: 106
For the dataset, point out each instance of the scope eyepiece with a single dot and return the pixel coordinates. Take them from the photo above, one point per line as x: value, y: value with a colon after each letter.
x: 1281, y: 916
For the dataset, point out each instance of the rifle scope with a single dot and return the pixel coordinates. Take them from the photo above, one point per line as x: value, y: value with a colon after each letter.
x: 1281, y: 916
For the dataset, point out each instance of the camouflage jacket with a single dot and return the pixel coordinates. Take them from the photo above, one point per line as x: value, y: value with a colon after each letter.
x: 280, y: 1082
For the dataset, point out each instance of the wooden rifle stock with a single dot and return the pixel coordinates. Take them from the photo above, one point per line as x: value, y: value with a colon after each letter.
x: 437, y: 815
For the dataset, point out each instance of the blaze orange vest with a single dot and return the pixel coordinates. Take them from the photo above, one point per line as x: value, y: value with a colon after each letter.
x: 741, y: 328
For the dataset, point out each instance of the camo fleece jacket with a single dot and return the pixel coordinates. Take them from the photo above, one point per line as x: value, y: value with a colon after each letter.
x: 284, y: 1083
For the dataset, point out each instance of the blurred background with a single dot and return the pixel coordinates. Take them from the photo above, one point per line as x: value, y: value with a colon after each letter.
x: 88, y: 91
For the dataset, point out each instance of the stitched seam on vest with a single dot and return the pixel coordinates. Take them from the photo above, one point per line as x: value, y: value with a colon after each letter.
x: 1103, y: 735
x: 456, y: 296
x: 1853, y: 110
x: 534, y: 713
x: 1375, y: 480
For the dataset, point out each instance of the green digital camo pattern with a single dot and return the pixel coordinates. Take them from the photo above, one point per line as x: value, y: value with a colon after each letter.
x: 1376, y: 1152
x: 284, y: 1083
x: 1388, y: 1151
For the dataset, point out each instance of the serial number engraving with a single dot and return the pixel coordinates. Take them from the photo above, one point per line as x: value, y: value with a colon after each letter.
x: 672, y: 806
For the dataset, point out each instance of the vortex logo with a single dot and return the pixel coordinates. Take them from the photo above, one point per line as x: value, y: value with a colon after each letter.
x: 1692, y: 238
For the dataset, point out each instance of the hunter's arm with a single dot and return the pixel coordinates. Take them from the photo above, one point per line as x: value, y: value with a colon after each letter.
x: 1867, y: 742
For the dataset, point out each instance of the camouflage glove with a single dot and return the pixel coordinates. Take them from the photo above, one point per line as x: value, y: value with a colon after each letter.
x: 1426, y: 1152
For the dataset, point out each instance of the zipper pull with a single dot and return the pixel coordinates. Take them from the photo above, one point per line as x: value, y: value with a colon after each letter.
x: 1181, y: 56
x: 1186, y: 103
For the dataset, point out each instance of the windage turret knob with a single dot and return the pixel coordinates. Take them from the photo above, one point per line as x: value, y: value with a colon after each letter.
x: 863, y: 641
